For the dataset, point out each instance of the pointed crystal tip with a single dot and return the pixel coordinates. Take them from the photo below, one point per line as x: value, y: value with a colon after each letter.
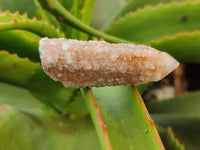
x: 167, y: 65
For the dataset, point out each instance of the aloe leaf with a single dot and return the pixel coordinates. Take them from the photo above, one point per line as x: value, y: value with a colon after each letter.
x: 184, y: 104
x: 57, y: 22
x: 22, y: 6
x: 25, y: 74
x: 73, y: 135
x: 182, y: 114
x: 76, y: 12
x: 24, y: 43
x: 83, y: 11
x: 23, y: 99
x: 111, y: 109
x: 76, y: 107
x: 16, y: 131
x: 105, y: 11
x: 59, y: 11
x: 46, y: 16
x: 153, y: 23
x: 186, y: 44
x: 44, y: 130
x: 18, y: 97
x: 169, y: 140
x: 87, y: 12
x: 134, y: 5
x: 15, y: 21
x: 67, y: 4
x: 185, y: 127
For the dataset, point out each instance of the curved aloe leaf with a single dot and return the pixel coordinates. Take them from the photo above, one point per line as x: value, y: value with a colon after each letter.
x: 44, y: 130
x: 83, y: 11
x: 76, y: 12
x: 23, y: 73
x: 11, y: 121
x: 77, y: 106
x: 169, y: 140
x: 18, y: 97
x: 19, y: 131
x: 111, y: 116
x: 65, y: 16
x: 10, y: 21
x: 46, y: 16
x: 184, y: 46
x: 67, y: 4
x: 184, y: 104
x: 22, y: 6
x: 87, y: 13
x: 50, y: 18
x: 182, y: 114
x: 24, y: 43
x: 185, y: 127
x: 153, y: 23
x: 23, y: 99
x: 134, y: 5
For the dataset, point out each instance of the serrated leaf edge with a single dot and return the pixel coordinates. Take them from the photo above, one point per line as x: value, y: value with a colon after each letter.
x: 25, y: 15
x: 146, y: 7
x: 16, y: 56
x: 149, y: 119
x: 175, y: 36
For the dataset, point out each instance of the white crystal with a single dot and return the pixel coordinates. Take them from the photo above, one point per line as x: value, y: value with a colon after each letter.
x: 95, y: 63
x: 65, y: 46
x: 59, y: 74
x: 88, y: 66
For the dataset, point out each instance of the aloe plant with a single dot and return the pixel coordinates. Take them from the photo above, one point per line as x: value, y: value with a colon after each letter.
x: 38, y: 113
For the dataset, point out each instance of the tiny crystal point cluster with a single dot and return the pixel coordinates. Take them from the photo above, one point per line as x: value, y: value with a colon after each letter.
x: 99, y: 63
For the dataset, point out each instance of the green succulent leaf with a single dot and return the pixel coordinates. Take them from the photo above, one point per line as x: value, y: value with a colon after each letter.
x: 82, y: 10
x: 187, y: 44
x: 23, y: 73
x: 67, y: 4
x: 111, y: 109
x: 182, y: 115
x: 44, y: 130
x: 20, y: 98
x: 77, y: 106
x: 24, y: 6
x: 185, y: 127
x: 169, y: 140
x: 184, y: 104
x: 76, y: 12
x: 57, y: 22
x: 153, y: 23
x: 46, y: 16
x: 17, y: 130
x: 87, y: 13
x: 16, y: 21
x: 64, y: 15
x: 24, y: 43
x: 134, y: 5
